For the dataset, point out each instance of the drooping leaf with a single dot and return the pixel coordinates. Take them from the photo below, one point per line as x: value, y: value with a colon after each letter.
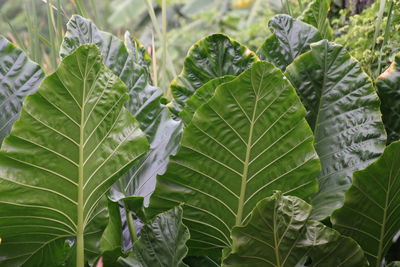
x: 251, y: 138
x: 162, y: 242
x: 279, y: 233
x: 371, y: 210
x: 212, y: 57
x: 201, y: 96
x: 19, y: 77
x: 72, y: 141
x: 144, y: 103
x: 388, y: 85
x: 137, y: 51
x: 290, y: 39
x: 316, y: 14
x: 343, y: 111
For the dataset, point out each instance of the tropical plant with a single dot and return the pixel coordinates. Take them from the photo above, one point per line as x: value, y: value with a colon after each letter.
x: 273, y: 158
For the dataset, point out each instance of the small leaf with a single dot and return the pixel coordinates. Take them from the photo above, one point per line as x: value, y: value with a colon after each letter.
x: 162, y: 242
x: 19, y: 77
x: 290, y: 39
x: 371, y: 211
x: 343, y: 111
x: 316, y: 14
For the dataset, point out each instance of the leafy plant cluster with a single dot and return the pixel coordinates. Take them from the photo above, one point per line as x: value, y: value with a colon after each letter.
x: 283, y: 156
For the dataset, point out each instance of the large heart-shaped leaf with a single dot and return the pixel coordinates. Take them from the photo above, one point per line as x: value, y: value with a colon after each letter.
x: 316, y: 14
x: 251, y: 138
x: 131, y: 64
x: 343, y: 111
x: 73, y: 140
x: 212, y: 57
x: 162, y: 242
x: 280, y: 234
x: 290, y: 39
x: 19, y: 77
x: 388, y: 85
x: 371, y: 210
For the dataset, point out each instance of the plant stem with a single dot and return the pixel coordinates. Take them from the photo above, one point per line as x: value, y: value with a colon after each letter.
x: 300, y: 5
x: 386, y: 36
x: 289, y: 10
x: 253, y: 12
x: 378, y: 22
x: 154, y: 60
x: 131, y: 225
x: 164, y: 48
x: 53, y: 41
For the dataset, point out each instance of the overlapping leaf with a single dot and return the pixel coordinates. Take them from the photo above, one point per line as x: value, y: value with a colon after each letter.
x: 280, y: 234
x: 316, y: 14
x: 73, y: 140
x: 131, y: 64
x: 212, y: 57
x: 162, y: 242
x: 388, y: 85
x: 290, y: 39
x: 19, y: 77
x: 250, y: 138
x: 343, y: 111
x: 371, y: 211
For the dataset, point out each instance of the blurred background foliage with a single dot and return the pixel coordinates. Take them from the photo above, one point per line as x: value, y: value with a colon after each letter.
x: 369, y: 29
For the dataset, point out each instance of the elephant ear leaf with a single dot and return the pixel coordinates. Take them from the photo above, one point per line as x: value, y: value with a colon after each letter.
x: 19, y: 77
x: 388, y: 85
x: 249, y: 139
x: 290, y: 39
x: 316, y: 14
x: 72, y: 141
x: 279, y: 233
x: 371, y: 211
x: 162, y: 242
x: 130, y: 62
x: 343, y: 111
x: 212, y: 57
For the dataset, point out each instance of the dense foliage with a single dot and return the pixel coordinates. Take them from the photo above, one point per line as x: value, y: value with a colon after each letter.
x: 285, y: 156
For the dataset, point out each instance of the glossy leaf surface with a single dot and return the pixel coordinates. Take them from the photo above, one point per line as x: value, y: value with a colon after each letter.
x: 212, y: 57
x: 201, y: 96
x: 131, y: 64
x: 73, y: 140
x: 343, y: 111
x: 280, y: 234
x: 250, y: 138
x: 388, y: 85
x: 19, y: 77
x: 316, y: 14
x: 162, y: 242
x: 290, y: 39
x: 371, y: 211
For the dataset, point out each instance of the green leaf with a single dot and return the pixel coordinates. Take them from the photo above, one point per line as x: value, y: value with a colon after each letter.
x: 212, y: 57
x: 388, y: 85
x: 19, y: 77
x: 316, y: 14
x: 290, y: 39
x: 371, y: 210
x: 279, y: 233
x: 251, y: 138
x: 162, y: 242
x: 343, y: 111
x: 201, y: 96
x: 144, y: 103
x: 73, y: 140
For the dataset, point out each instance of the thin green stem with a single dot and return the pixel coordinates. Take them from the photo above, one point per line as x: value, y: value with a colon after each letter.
x: 53, y: 41
x: 154, y: 60
x: 300, y: 6
x: 386, y: 36
x: 289, y: 10
x: 131, y: 225
x: 253, y: 12
x: 59, y: 23
x: 378, y: 23
x: 80, y: 6
x: 164, y: 48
